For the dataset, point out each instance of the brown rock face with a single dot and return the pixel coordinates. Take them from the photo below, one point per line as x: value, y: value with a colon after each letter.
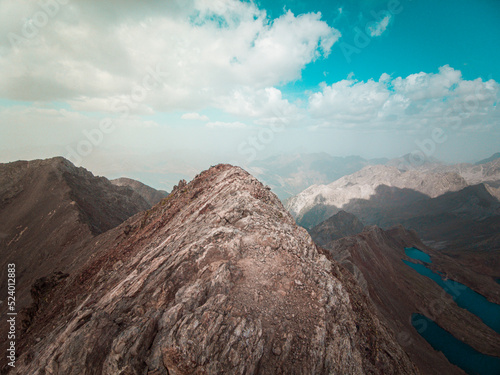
x: 215, y: 279
x: 342, y: 224
x: 150, y: 195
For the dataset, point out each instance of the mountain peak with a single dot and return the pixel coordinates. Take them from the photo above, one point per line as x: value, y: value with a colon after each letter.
x: 150, y: 195
x: 342, y: 224
x: 493, y: 157
x: 216, y: 278
x: 49, y: 210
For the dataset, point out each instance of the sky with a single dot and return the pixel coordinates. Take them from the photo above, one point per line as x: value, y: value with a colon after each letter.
x: 128, y: 88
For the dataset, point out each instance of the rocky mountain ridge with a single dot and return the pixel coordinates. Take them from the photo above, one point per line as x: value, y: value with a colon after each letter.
x: 216, y: 278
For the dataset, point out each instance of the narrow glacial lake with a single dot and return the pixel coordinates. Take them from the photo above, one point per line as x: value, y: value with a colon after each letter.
x: 457, y: 352
x: 415, y: 253
x: 464, y: 297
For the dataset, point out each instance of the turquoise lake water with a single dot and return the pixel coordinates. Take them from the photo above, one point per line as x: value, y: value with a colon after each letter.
x: 415, y: 253
x: 464, y: 297
x: 457, y: 352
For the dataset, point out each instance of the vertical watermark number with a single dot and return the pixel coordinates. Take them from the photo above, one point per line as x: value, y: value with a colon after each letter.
x: 11, y: 314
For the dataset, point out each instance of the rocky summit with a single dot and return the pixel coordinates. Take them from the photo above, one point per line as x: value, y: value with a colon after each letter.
x: 215, y: 279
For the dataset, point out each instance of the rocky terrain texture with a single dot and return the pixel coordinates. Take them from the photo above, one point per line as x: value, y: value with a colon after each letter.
x: 374, y: 258
x: 216, y: 278
x: 342, y: 224
x: 150, y: 195
x: 384, y: 183
x: 49, y: 210
x: 486, y: 171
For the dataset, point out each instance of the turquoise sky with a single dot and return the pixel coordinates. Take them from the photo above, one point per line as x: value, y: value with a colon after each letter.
x: 129, y: 88
x: 422, y: 36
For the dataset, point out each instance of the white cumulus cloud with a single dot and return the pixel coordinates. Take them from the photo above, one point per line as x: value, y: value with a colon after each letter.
x: 417, y: 101
x: 199, y: 51
x: 379, y: 27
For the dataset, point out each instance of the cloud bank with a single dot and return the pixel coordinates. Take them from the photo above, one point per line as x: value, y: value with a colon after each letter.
x: 201, y: 50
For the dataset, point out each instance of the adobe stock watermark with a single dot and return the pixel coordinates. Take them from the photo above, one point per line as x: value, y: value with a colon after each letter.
x: 11, y: 314
x: 437, y: 307
x: 452, y: 121
x: 251, y: 147
x: 49, y: 9
x: 154, y: 79
x: 433, y: 310
x: 363, y: 38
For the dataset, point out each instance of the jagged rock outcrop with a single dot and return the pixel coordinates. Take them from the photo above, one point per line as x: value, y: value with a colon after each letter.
x: 374, y: 257
x: 150, y: 195
x: 342, y: 224
x: 216, y: 278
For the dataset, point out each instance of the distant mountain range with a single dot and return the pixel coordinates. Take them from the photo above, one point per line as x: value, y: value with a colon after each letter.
x: 381, y: 187
x: 288, y: 175
x: 319, y: 202
x: 491, y: 158
x: 455, y: 209
x: 150, y: 195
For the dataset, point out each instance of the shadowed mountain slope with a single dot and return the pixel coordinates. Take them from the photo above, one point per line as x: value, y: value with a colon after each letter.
x: 150, y: 195
x: 49, y: 209
x: 342, y: 224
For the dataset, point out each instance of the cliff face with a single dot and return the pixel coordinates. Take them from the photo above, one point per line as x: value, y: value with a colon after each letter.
x: 216, y: 278
x: 374, y: 257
